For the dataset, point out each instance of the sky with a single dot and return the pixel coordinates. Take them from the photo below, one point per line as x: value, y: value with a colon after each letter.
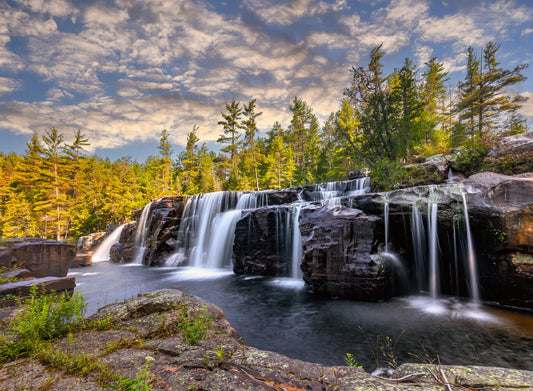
x: 121, y: 71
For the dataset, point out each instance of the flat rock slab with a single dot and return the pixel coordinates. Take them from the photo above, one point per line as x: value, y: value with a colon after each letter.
x: 22, y: 288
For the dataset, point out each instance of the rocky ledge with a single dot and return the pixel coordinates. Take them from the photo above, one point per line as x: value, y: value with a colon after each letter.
x: 140, y: 340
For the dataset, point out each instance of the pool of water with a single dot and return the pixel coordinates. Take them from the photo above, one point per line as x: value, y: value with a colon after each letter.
x: 281, y: 315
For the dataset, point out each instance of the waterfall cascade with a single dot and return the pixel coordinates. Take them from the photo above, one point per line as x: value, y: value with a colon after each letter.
x: 102, y: 252
x: 141, y: 231
x: 206, y: 232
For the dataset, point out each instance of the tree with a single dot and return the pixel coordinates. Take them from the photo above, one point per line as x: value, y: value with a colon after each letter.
x: 165, y: 153
x: 250, y: 128
x: 481, y: 96
x: 231, y: 125
x: 433, y: 93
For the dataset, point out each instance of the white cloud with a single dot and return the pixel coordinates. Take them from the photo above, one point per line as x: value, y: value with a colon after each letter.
x: 8, y: 85
x: 526, y: 31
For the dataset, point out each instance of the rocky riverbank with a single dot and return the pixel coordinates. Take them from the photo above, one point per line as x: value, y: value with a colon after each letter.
x: 168, y: 340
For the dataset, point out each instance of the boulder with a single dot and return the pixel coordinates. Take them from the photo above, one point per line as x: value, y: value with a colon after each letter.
x: 16, y: 274
x: 340, y: 247
x: 82, y: 259
x: 88, y: 243
x: 22, y: 288
x: 124, y: 250
x: 42, y: 257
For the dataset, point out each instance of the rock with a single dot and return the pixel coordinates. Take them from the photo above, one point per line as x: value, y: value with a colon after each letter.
x: 361, y: 173
x: 42, y: 257
x: 433, y: 170
x: 341, y: 253
x: 262, y: 245
x: 122, y: 252
x: 469, y: 377
x: 87, y: 244
x: 82, y: 259
x: 19, y: 274
x: 22, y: 288
x: 514, y: 145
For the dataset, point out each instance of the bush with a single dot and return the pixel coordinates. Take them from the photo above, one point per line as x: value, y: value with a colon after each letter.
x: 388, y: 175
x: 43, y: 317
x: 472, y: 155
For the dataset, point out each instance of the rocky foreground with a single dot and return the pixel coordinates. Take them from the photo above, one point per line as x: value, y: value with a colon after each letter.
x: 156, y: 341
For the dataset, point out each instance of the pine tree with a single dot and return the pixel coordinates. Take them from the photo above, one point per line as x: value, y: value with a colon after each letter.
x: 250, y: 127
x: 231, y: 125
x: 165, y: 153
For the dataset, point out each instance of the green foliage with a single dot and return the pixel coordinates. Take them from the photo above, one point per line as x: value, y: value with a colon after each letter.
x: 141, y: 382
x: 193, y: 327
x: 388, y: 175
x: 350, y: 360
x: 472, y: 155
x: 384, y: 349
x: 42, y: 318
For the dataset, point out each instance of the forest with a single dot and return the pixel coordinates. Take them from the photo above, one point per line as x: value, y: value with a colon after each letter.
x: 56, y: 190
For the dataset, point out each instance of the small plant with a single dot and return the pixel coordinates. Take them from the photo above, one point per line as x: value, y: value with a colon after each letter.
x: 221, y: 354
x: 500, y: 235
x: 350, y: 360
x: 193, y: 328
x: 385, y: 347
x: 102, y: 324
x: 141, y: 382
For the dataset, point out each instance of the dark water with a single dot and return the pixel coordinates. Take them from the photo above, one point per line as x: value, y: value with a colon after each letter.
x: 282, y: 316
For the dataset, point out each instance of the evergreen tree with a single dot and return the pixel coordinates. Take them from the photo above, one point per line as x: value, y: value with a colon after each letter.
x: 165, y: 153
x: 231, y: 125
x: 481, y: 96
x: 250, y: 128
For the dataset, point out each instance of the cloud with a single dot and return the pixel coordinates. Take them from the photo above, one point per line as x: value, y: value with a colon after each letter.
x: 8, y: 85
x: 526, y: 31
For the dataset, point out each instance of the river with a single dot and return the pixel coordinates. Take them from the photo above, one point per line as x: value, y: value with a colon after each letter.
x: 281, y: 315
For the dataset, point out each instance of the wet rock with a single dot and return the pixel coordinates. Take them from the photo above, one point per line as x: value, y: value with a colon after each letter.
x: 340, y: 247
x: 262, y: 245
x: 82, y: 259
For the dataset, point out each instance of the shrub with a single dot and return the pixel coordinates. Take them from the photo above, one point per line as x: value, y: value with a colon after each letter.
x: 388, y: 175
x: 43, y: 317
x: 472, y: 155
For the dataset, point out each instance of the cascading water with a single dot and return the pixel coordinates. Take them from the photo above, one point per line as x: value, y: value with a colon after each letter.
x: 433, y: 248
x: 141, y: 231
x: 102, y: 251
x: 297, y: 250
x: 386, y: 220
x: 472, y: 267
x: 418, y: 236
x: 206, y: 233
x: 207, y: 228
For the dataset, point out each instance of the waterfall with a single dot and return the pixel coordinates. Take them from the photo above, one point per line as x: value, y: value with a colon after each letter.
x: 332, y: 192
x: 207, y: 227
x: 386, y: 219
x: 102, y: 251
x: 472, y: 267
x: 418, y: 237
x: 297, y: 250
x: 433, y: 248
x: 141, y: 232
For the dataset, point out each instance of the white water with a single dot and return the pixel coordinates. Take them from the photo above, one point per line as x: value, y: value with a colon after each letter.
x: 418, y: 236
x: 102, y: 251
x: 386, y: 218
x: 297, y: 250
x: 140, y: 233
x: 207, y: 228
x: 474, y: 290
x: 433, y: 248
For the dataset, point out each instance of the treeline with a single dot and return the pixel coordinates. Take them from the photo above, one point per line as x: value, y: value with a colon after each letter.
x: 56, y: 191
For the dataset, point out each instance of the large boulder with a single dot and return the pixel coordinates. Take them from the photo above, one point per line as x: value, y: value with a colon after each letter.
x: 88, y: 243
x: 42, y: 257
x: 341, y: 253
x: 124, y: 250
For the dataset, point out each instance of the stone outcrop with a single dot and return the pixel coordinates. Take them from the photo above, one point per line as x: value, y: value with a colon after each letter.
x: 261, y: 245
x: 88, y: 243
x: 124, y: 250
x: 341, y: 257
x: 48, y: 284
x: 42, y: 257
x: 161, y: 232
x: 143, y: 339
